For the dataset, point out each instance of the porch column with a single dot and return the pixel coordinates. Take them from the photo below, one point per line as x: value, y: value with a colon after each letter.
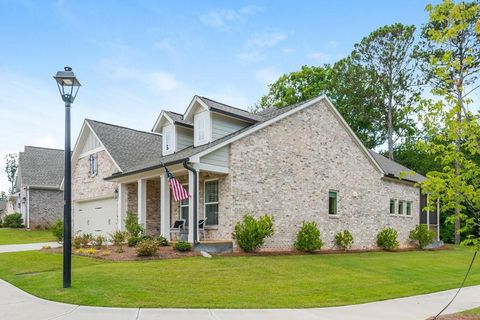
x: 142, y: 203
x: 438, y: 219
x: 164, y: 207
x: 191, y: 187
x: 428, y: 213
x: 121, y: 206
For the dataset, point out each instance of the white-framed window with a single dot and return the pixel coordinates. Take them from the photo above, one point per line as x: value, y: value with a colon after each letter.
x: 168, y: 140
x: 93, y: 164
x: 392, y: 206
x: 211, y: 202
x: 401, y: 206
x: 184, y: 205
x: 409, y: 208
x: 333, y: 202
x: 201, y: 127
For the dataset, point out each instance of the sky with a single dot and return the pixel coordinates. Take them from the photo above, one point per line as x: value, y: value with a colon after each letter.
x: 136, y: 58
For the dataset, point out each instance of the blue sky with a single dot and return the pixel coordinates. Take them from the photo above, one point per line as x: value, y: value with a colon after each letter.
x: 135, y: 58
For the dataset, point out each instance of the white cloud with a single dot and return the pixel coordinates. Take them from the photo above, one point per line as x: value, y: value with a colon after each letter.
x: 162, y: 81
x: 255, y: 47
x: 222, y: 18
x: 267, y: 75
x: 47, y: 141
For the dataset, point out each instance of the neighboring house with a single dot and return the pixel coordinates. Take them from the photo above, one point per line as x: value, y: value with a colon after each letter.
x: 38, y: 196
x: 301, y: 162
x: 3, y: 208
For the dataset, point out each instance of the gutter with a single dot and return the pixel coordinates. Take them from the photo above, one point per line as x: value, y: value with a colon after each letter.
x: 158, y: 166
x: 195, y: 195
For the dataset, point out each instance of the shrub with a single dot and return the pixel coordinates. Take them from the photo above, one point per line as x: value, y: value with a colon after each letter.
x: 1, y: 225
x: 46, y: 247
x: 182, y: 246
x: 118, y: 239
x: 77, y: 242
x: 387, y: 239
x: 57, y: 230
x: 132, y: 226
x: 251, y: 233
x: 308, y: 237
x: 421, y: 235
x: 80, y: 251
x: 98, y: 241
x: 13, y: 220
x: 91, y: 251
x: 147, y: 248
x: 133, y: 241
x: 344, y: 239
x: 85, y: 239
x: 162, y: 241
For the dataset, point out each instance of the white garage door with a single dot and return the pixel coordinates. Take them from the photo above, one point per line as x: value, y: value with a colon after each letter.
x: 95, y: 217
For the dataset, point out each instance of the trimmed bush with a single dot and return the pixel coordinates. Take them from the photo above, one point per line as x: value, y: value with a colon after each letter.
x: 308, y: 237
x: 422, y: 236
x: 57, y: 230
x: 251, y: 233
x: 162, y: 241
x: 182, y: 246
x: 13, y: 220
x: 98, y: 241
x: 133, y: 241
x: 132, y: 226
x: 344, y: 239
x: 387, y: 239
x: 147, y: 248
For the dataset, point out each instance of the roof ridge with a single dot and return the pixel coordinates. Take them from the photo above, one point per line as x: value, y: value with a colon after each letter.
x: 122, y: 127
x: 45, y: 148
x: 174, y: 112
x: 227, y: 105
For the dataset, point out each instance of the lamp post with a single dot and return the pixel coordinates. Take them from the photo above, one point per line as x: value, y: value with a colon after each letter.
x: 68, y: 86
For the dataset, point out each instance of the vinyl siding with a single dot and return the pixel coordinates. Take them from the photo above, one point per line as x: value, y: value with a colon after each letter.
x: 218, y: 157
x: 91, y: 143
x: 223, y: 126
x: 184, y: 137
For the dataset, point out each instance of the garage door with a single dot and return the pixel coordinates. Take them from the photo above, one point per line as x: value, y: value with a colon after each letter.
x: 95, y: 217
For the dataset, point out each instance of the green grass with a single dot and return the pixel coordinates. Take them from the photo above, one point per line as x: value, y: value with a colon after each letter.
x: 241, y: 282
x: 475, y: 311
x: 19, y: 236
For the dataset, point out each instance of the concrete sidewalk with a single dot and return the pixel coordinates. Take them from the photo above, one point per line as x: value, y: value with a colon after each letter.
x: 27, y: 247
x: 16, y: 304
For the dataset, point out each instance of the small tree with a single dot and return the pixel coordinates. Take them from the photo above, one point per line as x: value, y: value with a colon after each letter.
x: 57, y: 230
x: 251, y: 233
x: 132, y: 225
x: 11, y: 168
x: 308, y: 237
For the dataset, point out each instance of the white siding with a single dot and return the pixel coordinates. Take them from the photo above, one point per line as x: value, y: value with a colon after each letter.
x: 223, y: 125
x: 218, y: 157
x: 168, y: 132
x: 91, y: 143
x: 184, y: 137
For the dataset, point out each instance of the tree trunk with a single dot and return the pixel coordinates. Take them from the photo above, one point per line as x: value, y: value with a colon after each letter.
x: 390, y: 129
x: 456, y: 165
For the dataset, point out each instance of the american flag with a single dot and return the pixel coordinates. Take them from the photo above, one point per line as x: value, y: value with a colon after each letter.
x: 179, y: 192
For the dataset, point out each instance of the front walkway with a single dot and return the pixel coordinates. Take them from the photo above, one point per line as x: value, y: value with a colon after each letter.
x: 27, y: 247
x: 16, y: 304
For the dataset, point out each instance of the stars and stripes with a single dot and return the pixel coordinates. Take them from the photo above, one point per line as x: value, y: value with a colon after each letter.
x: 179, y: 192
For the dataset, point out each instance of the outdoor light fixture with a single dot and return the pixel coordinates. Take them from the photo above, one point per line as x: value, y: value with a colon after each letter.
x: 68, y: 86
x: 115, y: 193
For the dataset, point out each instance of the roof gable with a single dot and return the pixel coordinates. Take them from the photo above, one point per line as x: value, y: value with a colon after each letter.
x: 41, y: 167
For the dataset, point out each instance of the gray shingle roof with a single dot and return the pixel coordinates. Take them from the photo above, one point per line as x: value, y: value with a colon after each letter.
x: 178, y: 119
x: 128, y: 147
x: 41, y: 166
x: 395, y: 169
x: 226, y: 109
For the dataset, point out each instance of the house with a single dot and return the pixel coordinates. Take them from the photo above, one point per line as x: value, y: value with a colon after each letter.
x: 38, y: 194
x: 301, y: 162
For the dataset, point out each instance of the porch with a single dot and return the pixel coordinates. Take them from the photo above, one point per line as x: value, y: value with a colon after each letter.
x: 148, y: 195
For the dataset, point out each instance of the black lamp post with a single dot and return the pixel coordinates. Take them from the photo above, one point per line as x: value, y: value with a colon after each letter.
x: 68, y: 86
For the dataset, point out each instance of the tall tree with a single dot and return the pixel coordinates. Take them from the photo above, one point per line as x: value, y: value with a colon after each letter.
x: 3, y: 196
x: 388, y: 55
x: 11, y: 167
x: 450, y: 54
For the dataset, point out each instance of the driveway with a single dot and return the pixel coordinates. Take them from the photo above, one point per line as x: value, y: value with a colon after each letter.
x: 16, y: 304
x: 27, y: 247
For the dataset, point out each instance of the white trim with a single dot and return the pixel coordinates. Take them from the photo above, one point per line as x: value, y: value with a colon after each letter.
x: 196, y: 157
x: 94, y: 199
x: 172, y: 130
x: 164, y: 207
x: 192, y: 103
x: 205, y: 202
x: 121, y: 205
x: 394, y: 206
x: 142, y: 202
x: 162, y: 114
x: 206, y: 117
x: 212, y: 168
x: 336, y: 214
x: 83, y: 155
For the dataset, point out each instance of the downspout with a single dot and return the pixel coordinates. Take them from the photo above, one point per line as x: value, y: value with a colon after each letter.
x: 195, y: 195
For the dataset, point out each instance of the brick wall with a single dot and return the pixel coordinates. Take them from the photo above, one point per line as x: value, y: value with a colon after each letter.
x: 46, y: 206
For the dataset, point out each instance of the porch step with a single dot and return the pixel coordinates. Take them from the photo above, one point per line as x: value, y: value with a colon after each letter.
x: 215, y: 247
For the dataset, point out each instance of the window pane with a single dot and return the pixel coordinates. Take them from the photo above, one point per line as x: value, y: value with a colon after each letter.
x: 184, y: 214
x: 211, y: 212
x: 392, y: 206
x: 409, y: 208
x: 400, y: 207
x: 332, y: 202
x: 211, y: 191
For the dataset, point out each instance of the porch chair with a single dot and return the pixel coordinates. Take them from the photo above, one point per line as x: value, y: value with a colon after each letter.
x: 201, y: 227
x: 177, y: 228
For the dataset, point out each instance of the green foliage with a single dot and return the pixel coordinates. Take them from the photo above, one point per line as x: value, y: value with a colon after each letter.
x: 162, y: 241
x: 182, y: 246
x: 251, y: 233
x: 57, y: 230
x: 13, y: 220
x: 344, y: 239
x: 308, y: 237
x: 147, y: 248
x: 387, y: 239
x: 133, y: 241
x: 11, y: 167
x: 132, y: 226
x: 118, y: 239
x: 98, y: 241
x: 77, y: 242
x: 85, y: 239
x: 422, y: 236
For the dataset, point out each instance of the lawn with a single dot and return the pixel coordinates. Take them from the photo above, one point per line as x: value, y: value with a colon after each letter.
x: 475, y: 311
x: 19, y: 236
x: 241, y: 282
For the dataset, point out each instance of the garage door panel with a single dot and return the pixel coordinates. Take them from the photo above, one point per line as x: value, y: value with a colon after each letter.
x: 96, y: 217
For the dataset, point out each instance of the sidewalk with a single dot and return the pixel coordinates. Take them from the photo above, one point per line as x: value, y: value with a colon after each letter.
x: 27, y: 247
x: 16, y: 304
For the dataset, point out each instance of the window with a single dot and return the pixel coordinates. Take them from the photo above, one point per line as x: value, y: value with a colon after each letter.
x: 168, y: 143
x: 332, y: 202
x: 392, y: 206
x: 168, y: 140
x: 201, y: 127
x: 400, y: 206
x: 184, y: 208
x: 93, y: 162
x: 211, y: 202
x: 409, y: 208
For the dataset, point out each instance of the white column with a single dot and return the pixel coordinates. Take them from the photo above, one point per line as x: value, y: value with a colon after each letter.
x: 164, y: 207
x: 428, y: 213
x: 438, y: 219
x: 192, y: 223
x: 142, y: 202
x: 121, y: 206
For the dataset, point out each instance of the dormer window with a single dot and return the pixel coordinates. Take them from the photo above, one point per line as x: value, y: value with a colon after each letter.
x: 201, y: 124
x: 168, y: 140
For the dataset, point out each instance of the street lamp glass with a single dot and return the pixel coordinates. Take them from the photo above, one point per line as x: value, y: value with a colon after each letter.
x: 67, y: 82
